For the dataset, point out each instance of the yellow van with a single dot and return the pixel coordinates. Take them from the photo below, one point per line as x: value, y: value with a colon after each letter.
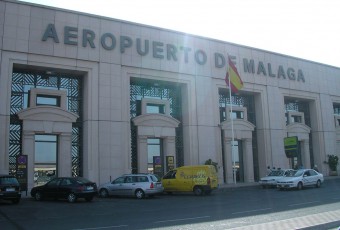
x: 200, y: 179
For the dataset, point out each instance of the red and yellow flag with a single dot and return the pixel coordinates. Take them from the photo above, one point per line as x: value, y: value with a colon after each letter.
x: 235, y: 79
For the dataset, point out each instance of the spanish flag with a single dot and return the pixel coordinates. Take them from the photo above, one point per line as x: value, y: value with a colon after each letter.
x: 235, y: 79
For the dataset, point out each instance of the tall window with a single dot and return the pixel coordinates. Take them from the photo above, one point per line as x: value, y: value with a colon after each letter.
x: 45, y: 158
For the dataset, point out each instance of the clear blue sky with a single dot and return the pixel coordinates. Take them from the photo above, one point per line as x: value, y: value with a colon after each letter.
x: 307, y: 29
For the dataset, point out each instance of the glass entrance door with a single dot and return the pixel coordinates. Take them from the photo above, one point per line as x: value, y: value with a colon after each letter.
x: 238, y: 166
x: 45, y: 158
x: 155, y: 156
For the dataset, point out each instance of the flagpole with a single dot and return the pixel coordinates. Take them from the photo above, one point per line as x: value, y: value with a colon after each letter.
x: 232, y: 129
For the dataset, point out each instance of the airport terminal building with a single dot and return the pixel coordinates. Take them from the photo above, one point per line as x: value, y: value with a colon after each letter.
x: 85, y: 95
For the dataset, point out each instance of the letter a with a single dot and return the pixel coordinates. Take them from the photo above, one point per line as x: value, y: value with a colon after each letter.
x: 50, y: 32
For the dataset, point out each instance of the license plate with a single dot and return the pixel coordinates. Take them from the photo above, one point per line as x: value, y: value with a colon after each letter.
x: 10, y: 189
x: 89, y: 188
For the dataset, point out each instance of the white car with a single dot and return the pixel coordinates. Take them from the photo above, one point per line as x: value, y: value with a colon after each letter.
x: 300, y: 178
x: 271, y: 179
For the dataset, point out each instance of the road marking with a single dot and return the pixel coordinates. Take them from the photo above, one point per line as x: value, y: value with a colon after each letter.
x: 192, y: 218
x: 255, y: 210
x: 297, y: 204
x: 116, y: 226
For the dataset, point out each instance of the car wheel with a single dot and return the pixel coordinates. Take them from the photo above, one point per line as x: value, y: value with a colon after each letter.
x: 139, y: 194
x: 318, y: 184
x: 88, y: 199
x: 38, y: 196
x: 299, y: 186
x: 15, y: 201
x: 71, y: 198
x: 198, y: 191
x: 103, y: 193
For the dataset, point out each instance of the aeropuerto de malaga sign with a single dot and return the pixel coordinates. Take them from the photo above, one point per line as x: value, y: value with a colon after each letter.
x: 160, y: 50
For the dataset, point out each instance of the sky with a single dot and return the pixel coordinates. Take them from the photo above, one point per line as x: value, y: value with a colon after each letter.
x: 307, y: 29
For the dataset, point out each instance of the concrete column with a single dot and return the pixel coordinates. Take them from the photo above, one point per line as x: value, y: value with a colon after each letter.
x: 305, y: 154
x: 142, y: 154
x: 248, y: 160
x: 169, y: 149
x: 228, y: 171
x: 28, y: 145
x: 65, y: 155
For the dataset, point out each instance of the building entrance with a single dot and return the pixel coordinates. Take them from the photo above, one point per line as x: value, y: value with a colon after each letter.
x: 238, y: 165
x: 155, y: 156
x: 45, y: 158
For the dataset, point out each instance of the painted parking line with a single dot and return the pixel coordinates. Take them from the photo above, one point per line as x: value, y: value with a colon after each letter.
x: 183, y: 219
x: 106, y: 227
x: 255, y: 210
x: 298, y: 204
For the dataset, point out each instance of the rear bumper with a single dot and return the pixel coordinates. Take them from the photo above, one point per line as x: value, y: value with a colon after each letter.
x: 86, y: 194
x: 154, y: 191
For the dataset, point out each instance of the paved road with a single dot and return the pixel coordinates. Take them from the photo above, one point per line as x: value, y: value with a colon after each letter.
x: 233, y: 208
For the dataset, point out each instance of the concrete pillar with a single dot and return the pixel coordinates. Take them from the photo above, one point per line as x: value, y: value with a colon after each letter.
x: 142, y: 154
x: 28, y: 144
x: 169, y: 149
x: 65, y: 155
x: 305, y: 154
x: 248, y: 160
x: 228, y: 171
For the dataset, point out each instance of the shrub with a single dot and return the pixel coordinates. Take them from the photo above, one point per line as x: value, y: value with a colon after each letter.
x: 332, y: 162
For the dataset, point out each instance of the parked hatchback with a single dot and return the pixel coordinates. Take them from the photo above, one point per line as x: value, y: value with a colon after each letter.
x: 137, y: 185
x: 9, y: 189
x: 70, y: 188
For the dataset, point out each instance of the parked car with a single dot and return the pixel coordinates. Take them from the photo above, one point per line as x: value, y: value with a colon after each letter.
x: 70, y: 188
x: 300, y: 178
x: 199, y: 179
x: 9, y: 189
x: 137, y: 185
x: 271, y: 179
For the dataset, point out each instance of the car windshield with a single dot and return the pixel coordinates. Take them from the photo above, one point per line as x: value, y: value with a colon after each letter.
x: 8, y: 180
x: 276, y: 173
x: 295, y: 173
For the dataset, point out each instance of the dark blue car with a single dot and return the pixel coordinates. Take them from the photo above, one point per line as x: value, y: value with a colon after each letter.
x: 70, y: 188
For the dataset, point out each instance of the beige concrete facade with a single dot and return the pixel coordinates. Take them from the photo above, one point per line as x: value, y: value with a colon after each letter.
x: 108, y: 53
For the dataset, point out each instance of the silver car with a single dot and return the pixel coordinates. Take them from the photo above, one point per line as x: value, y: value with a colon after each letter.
x: 137, y: 185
